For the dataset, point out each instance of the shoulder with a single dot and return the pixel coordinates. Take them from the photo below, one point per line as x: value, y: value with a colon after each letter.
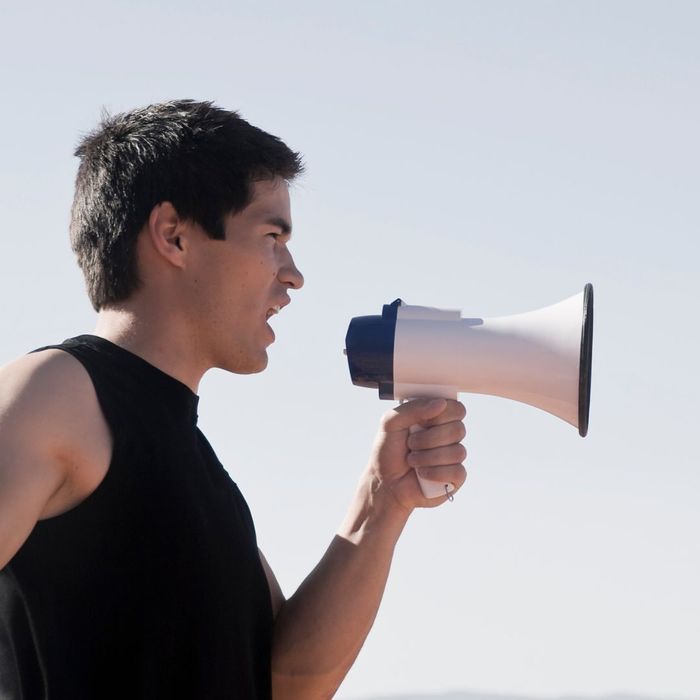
x: 48, y: 390
x: 37, y: 370
x: 51, y: 426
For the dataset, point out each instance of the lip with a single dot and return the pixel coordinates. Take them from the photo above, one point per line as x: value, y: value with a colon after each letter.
x: 276, y: 308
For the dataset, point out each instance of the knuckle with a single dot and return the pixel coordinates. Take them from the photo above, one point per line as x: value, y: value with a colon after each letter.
x: 462, y: 432
x: 457, y: 473
x: 459, y: 453
x: 461, y: 475
x: 459, y: 431
x: 387, y: 418
x: 461, y: 410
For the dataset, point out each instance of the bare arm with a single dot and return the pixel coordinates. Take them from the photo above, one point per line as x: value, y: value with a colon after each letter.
x: 50, y: 425
x: 320, y: 630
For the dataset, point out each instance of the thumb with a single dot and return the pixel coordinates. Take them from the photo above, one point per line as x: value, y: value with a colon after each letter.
x: 412, y: 413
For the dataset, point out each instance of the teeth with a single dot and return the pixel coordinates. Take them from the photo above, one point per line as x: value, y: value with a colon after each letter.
x: 276, y: 309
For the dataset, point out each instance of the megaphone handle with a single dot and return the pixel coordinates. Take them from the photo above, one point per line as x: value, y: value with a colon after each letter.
x: 434, y: 489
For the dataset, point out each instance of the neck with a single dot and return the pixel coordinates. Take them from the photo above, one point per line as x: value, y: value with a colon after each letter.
x: 158, y: 338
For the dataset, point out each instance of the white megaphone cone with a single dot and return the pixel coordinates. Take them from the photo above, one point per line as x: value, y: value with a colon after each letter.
x: 542, y: 358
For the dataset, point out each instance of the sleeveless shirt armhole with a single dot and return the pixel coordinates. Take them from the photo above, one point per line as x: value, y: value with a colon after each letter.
x: 111, y: 417
x: 114, y: 424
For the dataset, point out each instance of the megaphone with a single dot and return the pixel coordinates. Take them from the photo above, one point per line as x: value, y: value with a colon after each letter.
x: 541, y: 358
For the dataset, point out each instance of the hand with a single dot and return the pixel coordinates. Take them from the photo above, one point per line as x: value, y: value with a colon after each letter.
x: 435, y: 450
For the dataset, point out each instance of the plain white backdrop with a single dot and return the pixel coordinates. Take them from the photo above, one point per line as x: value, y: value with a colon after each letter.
x: 488, y: 156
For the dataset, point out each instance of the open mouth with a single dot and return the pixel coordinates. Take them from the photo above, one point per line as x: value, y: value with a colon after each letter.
x: 272, y: 312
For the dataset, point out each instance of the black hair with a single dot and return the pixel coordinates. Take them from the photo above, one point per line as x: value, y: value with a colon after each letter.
x: 195, y: 155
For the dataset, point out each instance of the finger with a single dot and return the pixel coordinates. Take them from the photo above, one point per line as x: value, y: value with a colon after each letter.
x: 416, y: 412
x: 454, y: 411
x: 449, y: 454
x: 454, y: 474
x: 437, y: 436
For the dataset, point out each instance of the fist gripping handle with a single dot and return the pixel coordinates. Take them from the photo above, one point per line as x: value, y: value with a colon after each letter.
x: 434, y: 489
x: 370, y: 345
x: 541, y: 358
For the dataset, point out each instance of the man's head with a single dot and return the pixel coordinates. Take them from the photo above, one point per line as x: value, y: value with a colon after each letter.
x: 203, y: 160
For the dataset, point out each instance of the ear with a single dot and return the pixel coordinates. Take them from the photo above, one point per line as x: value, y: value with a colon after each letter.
x: 168, y: 233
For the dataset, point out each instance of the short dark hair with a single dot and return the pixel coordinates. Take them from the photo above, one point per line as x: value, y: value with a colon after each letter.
x: 201, y: 158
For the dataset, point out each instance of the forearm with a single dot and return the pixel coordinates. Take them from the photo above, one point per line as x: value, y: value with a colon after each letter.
x: 321, y: 628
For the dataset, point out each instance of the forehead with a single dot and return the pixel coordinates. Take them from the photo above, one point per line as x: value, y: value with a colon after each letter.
x: 270, y: 199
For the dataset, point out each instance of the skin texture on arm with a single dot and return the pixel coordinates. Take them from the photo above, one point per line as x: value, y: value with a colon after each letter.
x: 320, y: 630
x: 54, y: 443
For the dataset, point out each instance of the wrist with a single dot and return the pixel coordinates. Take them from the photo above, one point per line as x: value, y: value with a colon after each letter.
x: 374, y: 512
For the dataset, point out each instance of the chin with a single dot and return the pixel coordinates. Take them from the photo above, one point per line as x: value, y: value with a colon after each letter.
x: 248, y: 365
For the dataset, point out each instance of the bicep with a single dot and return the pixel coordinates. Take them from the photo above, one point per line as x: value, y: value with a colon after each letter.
x: 27, y: 482
x: 276, y: 595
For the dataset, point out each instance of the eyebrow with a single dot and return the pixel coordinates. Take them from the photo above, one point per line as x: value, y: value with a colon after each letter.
x: 280, y: 223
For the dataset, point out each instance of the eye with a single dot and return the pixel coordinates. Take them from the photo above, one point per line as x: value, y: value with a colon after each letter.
x: 279, y: 236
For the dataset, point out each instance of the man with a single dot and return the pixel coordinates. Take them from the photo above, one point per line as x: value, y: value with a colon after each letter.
x: 128, y: 562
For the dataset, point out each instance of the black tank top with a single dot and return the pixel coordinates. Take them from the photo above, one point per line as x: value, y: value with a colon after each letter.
x: 152, y: 587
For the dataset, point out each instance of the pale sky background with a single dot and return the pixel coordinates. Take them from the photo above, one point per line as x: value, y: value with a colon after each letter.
x: 488, y: 156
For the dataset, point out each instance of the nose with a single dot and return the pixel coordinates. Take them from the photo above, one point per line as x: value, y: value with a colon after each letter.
x: 290, y: 274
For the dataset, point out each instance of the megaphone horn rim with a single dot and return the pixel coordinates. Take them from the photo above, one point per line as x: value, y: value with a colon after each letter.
x: 586, y: 361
